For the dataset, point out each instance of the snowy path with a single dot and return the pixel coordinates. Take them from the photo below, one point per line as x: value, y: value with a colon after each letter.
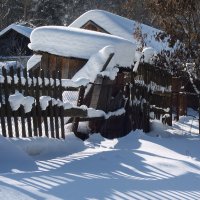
x: 137, y: 166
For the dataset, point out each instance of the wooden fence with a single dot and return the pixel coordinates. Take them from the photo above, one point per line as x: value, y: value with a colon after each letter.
x: 47, y: 122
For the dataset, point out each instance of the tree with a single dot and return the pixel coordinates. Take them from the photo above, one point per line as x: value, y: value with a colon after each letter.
x: 48, y: 12
x: 137, y: 10
x: 4, y: 12
x: 14, y: 11
x: 180, y: 20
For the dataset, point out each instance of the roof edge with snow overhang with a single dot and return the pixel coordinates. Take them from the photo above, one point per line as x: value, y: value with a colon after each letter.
x: 80, y: 43
x: 26, y: 31
x: 122, y: 27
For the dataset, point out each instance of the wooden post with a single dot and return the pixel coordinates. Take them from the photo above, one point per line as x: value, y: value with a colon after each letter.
x: 44, y: 112
x: 14, y: 112
x: 21, y: 111
x: 7, y: 104
x: 34, y: 115
x: 55, y: 107
x: 26, y: 93
x: 50, y: 107
x: 76, y: 120
x: 38, y: 108
x: 2, y: 110
x: 61, y: 113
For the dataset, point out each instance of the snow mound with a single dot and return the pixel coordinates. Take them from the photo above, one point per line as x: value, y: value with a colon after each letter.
x: 13, y: 159
x: 50, y: 147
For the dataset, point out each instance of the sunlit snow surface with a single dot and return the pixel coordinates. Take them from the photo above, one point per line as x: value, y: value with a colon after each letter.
x: 164, y: 164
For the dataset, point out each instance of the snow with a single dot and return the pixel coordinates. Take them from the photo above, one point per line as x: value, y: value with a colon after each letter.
x: 75, y: 83
x: 33, y: 60
x: 8, y: 64
x: 26, y: 31
x: 164, y: 164
x: 44, y: 102
x: 12, y: 158
x: 79, y: 43
x: 95, y: 64
x: 17, y: 99
x: 148, y: 53
x: 122, y: 27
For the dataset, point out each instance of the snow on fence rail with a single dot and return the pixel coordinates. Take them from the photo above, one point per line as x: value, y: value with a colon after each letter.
x: 31, y: 104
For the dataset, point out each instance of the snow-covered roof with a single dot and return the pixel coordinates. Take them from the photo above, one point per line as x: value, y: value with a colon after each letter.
x: 120, y: 26
x: 80, y: 43
x: 24, y: 30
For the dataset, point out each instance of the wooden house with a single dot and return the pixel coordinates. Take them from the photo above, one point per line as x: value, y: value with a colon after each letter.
x: 69, y: 49
x: 14, y: 41
x: 95, y: 56
x: 106, y: 22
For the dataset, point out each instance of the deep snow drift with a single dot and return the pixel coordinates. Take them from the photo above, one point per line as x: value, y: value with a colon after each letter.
x: 164, y: 164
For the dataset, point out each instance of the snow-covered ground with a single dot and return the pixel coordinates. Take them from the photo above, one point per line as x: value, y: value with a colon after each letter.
x: 164, y: 164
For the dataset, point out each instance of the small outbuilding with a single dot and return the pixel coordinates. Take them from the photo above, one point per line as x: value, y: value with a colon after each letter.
x: 14, y: 41
x: 106, y: 22
x: 68, y: 49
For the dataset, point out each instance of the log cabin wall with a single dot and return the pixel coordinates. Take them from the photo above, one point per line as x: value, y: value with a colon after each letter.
x: 68, y: 66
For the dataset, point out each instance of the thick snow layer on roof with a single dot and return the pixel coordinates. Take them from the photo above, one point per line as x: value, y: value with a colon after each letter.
x: 79, y: 43
x: 26, y: 31
x: 98, y: 60
x: 120, y: 26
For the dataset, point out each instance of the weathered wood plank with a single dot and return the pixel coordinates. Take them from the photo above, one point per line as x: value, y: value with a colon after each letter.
x: 14, y: 112
x: 33, y: 112
x: 3, y: 123
x: 50, y: 107
x: 26, y: 93
x: 7, y: 103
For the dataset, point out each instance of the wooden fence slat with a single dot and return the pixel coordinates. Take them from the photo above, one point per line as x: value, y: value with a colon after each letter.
x: 55, y: 107
x: 38, y: 107
x: 26, y: 93
x: 33, y: 112
x: 31, y: 123
x: 2, y: 109
x: 44, y: 112
x: 50, y: 107
x: 7, y: 104
x: 76, y: 120
x: 14, y: 112
x: 61, y: 109
x: 21, y: 111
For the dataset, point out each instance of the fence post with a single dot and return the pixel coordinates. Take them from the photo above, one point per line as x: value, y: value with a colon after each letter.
x: 61, y: 107
x: 44, y: 112
x: 7, y: 104
x: 14, y: 112
x: 2, y: 111
x: 76, y: 119
x: 55, y: 107
x: 32, y: 93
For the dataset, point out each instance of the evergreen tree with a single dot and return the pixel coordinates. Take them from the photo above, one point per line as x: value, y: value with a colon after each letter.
x: 48, y: 12
x: 4, y: 12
